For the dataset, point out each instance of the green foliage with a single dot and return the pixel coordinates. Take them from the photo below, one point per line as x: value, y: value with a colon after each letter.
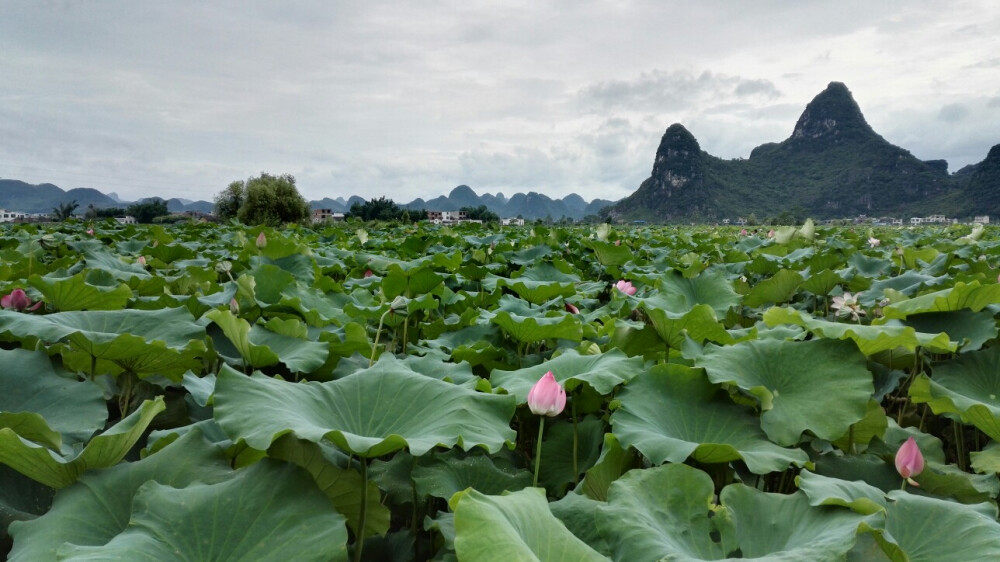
x: 386, y: 210
x: 264, y: 200
x: 64, y: 210
x: 148, y: 210
x: 480, y: 213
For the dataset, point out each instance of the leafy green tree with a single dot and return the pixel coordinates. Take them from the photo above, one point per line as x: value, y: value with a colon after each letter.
x: 481, y: 213
x: 110, y: 212
x: 272, y: 201
x: 148, y: 210
x: 63, y: 211
x: 229, y: 200
x: 383, y: 209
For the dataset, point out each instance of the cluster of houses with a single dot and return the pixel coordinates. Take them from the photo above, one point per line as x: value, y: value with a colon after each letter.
x: 436, y: 217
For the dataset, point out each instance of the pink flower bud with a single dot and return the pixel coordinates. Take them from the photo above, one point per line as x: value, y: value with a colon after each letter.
x: 743, y: 232
x: 90, y: 231
x: 141, y: 260
x: 770, y: 233
x: 234, y: 306
x: 572, y: 309
x: 909, y: 460
x: 618, y: 242
x: 547, y: 397
x: 626, y: 287
x: 18, y: 300
x: 261, y: 240
x: 368, y: 273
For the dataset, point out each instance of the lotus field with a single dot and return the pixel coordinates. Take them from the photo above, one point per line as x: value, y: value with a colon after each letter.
x: 218, y: 392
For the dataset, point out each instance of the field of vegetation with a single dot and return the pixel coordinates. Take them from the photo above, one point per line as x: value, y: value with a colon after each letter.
x: 207, y: 392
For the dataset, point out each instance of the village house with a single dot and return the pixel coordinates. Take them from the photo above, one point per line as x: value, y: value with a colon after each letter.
x: 11, y: 216
x: 326, y: 215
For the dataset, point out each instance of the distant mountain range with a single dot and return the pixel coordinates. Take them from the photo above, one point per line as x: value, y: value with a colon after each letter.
x: 834, y: 165
x: 20, y: 196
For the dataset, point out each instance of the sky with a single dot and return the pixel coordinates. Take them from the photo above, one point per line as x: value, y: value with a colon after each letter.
x: 410, y: 99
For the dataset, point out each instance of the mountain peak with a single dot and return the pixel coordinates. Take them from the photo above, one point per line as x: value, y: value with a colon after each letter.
x: 833, y: 113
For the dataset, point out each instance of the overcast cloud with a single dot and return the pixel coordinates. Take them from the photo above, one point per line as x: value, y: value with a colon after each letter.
x: 408, y: 100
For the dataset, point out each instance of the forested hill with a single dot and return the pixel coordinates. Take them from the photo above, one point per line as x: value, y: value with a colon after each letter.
x: 833, y: 165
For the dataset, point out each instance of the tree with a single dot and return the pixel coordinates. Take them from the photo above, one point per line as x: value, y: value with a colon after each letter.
x: 64, y: 210
x: 383, y: 209
x: 480, y: 213
x: 229, y: 201
x: 272, y: 201
x: 148, y: 210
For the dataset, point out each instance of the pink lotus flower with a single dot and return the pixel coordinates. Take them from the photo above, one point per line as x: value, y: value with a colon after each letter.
x: 19, y: 301
x: 368, y: 273
x: 547, y: 397
x: 141, y: 260
x: 572, y: 309
x: 626, y: 287
x: 618, y: 242
x: 261, y: 240
x: 770, y: 233
x: 90, y: 231
x: 909, y: 460
x: 873, y: 242
x: 743, y: 232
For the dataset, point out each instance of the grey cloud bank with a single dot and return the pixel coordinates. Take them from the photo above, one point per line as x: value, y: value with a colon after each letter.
x: 389, y: 98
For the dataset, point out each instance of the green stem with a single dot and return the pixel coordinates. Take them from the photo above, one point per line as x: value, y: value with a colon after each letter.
x: 959, y: 445
x: 362, y: 512
x: 378, y: 334
x: 538, y: 451
x: 850, y: 441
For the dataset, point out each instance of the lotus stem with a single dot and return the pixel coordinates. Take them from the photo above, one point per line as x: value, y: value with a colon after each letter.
x: 538, y: 450
x: 359, y: 541
x: 378, y: 334
x: 959, y: 445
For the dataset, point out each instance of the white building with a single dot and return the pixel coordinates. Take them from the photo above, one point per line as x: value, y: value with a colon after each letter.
x: 982, y: 219
x: 127, y: 219
x: 512, y: 222
x: 11, y: 216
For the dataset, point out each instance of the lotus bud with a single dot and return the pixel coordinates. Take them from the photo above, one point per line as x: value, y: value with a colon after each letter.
x: 90, y: 231
x: 547, y: 397
x: 368, y: 273
x: 261, y: 240
x: 909, y: 460
x: 873, y: 242
x: 18, y: 300
x: 626, y: 287
x: 141, y: 260
x: 572, y: 309
x: 234, y: 306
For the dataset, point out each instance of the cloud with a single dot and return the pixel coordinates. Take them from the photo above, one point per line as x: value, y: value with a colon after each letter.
x: 665, y: 91
x: 953, y: 112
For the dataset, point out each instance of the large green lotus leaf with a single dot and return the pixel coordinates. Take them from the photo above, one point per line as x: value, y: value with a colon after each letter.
x: 518, y: 526
x: 856, y: 495
x: 986, y: 461
x: 268, y: 283
x: 579, y: 513
x: 949, y: 481
x: 666, y: 513
x: 699, y: 324
x: 968, y: 385
x: 370, y: 413
x: 820, y: 386
x: 679, y: 294
x: 908, y: 283
x: 786, y: 527
x: 779, y: 288
x: 97, y: 508
x: 672, y: 412
x: 923, y: 529
x: 870, y: 339
x: 861, y: 433
x: 972, y: 296
x: 104, y: 260
x: 167, y: 341
x: 530, y: 329
x: 609, y: 254
x: 21, y: 499
x: 300, y: 266
x: 603, y: 372
x: 409, y: 282
x: 264, y: 512
x: 612, y: 464
x: 342, y: 485
x: 54, y: 470
x: 821, y: 283
x: 260, y: 347
x: 74, y: 410
x: 557, y: 471
x: 75, y: 293
x: 539, y: 283
x: 445, y: 475
x: 970, y: 329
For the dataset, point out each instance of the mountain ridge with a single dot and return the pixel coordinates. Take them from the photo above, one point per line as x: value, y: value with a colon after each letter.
x: 833, y: 165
